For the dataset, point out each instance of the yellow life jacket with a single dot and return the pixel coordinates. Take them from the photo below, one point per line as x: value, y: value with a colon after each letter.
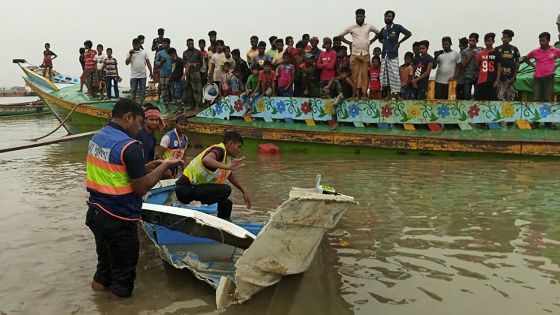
x: 197, y: 173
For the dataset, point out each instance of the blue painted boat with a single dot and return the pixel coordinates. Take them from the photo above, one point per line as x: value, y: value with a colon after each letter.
x: 241, y: 259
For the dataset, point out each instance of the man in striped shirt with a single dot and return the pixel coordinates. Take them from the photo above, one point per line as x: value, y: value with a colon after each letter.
x: 111, y: 74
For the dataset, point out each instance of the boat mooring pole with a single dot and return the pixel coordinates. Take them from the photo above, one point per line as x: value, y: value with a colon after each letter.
x: 42, y: 143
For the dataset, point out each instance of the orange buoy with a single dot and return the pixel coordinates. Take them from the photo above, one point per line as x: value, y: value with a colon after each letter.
x: 268, y: 148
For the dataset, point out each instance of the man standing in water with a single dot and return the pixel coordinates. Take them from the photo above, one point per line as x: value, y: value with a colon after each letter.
x: 116, y: 180
x: 359, y: 59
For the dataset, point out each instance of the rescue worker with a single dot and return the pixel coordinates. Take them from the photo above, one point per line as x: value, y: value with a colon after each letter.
x: 174, y: 142
x: 116, y: 180
x: 204, y: 177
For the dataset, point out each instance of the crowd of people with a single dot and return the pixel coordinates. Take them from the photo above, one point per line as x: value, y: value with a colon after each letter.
x: 284, y: 67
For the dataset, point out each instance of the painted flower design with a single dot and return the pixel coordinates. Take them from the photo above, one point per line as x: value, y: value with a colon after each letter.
x: 219, y: 109
x: 354, y: 110
x: 545, y: 111
x: 238, y: 105
x: 261, y: 106
x: 281, y: 106
x: 473, y: 111
x: 306, y: 107
x: 386, y: 110
x: 443, y: 111
x: 413, y: 111
x: 508, y: 110
x: 329, y: 107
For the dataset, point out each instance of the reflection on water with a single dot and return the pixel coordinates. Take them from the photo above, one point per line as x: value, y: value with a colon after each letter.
x: 430, y: 236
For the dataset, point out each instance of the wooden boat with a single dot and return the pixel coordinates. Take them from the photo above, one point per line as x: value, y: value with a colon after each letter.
x: 366, y: 125
x: 35, y: 74
x: 241, y: 259
x: 26, y: 108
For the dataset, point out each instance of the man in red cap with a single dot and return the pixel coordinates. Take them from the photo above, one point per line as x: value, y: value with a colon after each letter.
x: 153, y: 123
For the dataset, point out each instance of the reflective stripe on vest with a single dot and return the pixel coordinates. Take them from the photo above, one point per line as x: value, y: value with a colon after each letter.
x: 107, y: 179
x: 104, y: 176
x: 197, y: 173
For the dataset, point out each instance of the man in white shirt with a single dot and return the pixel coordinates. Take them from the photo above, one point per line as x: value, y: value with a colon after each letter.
x: 359, y: 58
x: 138, y: 59
x: 216, y: 62
x: 448, y: 64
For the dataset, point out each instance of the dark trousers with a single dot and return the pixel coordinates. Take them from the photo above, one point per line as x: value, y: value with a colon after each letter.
x: 468, y: 86
x: 543, y: 89
x: 117, y: 247
x: 460, y: 91
x: 485, y: 92
x: 112, y: 82
x: 442, y: 91
x: 207, y: 194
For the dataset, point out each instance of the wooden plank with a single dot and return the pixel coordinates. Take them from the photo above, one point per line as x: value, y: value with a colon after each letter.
x: 458, y: 145
x: 550, y: 149
x: 428, y: 144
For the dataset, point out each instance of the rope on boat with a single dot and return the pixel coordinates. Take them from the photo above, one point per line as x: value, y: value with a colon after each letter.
x: 60, y: 125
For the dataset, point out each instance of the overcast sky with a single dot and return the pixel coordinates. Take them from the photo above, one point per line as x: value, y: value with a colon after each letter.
x: 66, y: 24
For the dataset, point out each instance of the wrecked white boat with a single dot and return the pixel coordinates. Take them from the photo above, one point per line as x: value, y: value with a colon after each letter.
x: 240, y: 260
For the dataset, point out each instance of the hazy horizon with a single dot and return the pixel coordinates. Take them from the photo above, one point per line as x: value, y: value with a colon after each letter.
x: 29, y: 24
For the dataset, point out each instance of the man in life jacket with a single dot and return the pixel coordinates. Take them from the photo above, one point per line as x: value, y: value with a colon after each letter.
x: 174, y: 143
x: 204, y: 177
x: 116, y: 180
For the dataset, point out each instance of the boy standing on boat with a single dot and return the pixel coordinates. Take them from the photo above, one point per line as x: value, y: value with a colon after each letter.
x: 116, y: 180
x: 89, y: 67
x: 285, y: 74
x: 340, y: 88
x: 267, y: 80
x: 545, y: 57
x: 468, y: 64
x: 111, y: 74
x: 163, y: 62
x: 487, y: 61
x: 177, y: 78
x: 326, y: 62
x: 423, y: 65
x: 406, y: 72
x: 204, y: 178
x: 138, y: 60
x: 448, y: 64
x: 99, y: 76
x: 359, y: 59
x: 174, y: 143
x: 507, y: 67
x: 48, y: 57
